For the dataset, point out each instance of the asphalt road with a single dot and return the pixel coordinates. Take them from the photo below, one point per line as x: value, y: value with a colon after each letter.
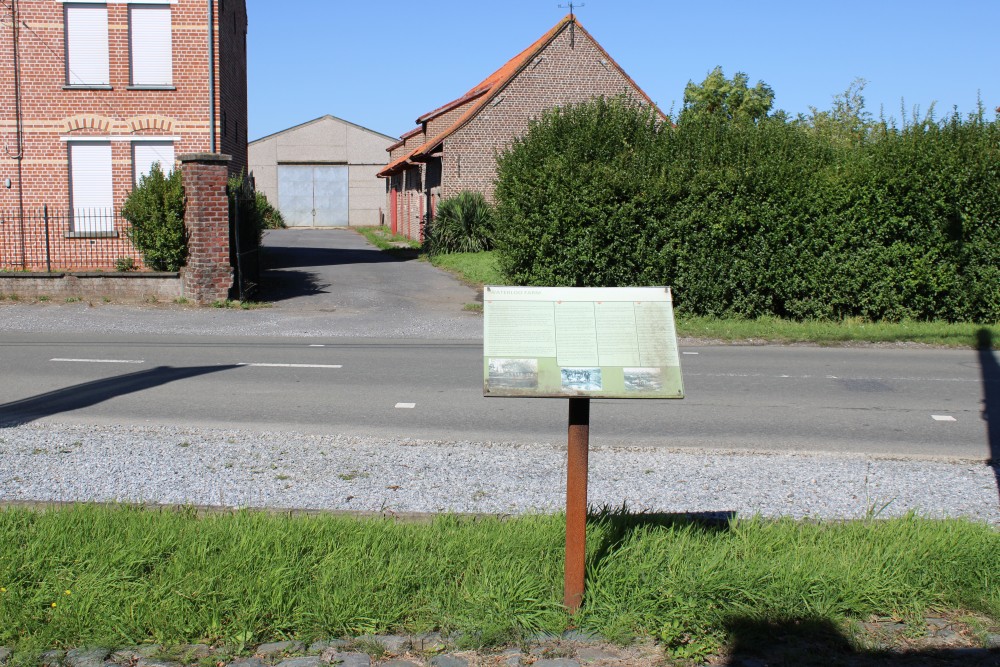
x: 897, y: 402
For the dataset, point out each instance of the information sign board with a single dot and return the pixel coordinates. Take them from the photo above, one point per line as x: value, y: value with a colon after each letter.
x: 608, y: 342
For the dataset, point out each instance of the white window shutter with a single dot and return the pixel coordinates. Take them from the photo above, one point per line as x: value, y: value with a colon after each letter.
x: 144, y: 154
x: 150, y: 45
x: 87, y: 45
x: 90, y: 186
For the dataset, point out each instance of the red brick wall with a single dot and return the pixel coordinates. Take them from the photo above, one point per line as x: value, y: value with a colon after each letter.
x: 51, y: 113
x: 562, y: 76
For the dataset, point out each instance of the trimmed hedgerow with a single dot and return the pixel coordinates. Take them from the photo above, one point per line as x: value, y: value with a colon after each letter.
x: 751, y: 218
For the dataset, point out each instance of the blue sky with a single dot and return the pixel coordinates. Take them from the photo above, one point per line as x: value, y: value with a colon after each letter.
x: 382, y: 64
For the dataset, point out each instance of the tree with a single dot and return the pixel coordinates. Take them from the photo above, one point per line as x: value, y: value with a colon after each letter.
x: 732, y: 98
x: 846, y: 122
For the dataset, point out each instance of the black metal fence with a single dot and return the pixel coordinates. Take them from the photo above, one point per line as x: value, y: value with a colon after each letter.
x: 244, y: 238
x: 51, y: 239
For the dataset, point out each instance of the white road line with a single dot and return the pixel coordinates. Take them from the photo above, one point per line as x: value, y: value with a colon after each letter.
x: 292, y: 365
x: 943, y: 418
x: 317, y: 346
x: 102, y: 361
x: 406, y: 405
x: 689, y: 353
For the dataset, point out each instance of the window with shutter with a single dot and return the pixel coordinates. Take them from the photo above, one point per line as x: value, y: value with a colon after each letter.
x: 146, y: 153
x: 150, y: 49
x: 90, y: 186
x: 87, y: 45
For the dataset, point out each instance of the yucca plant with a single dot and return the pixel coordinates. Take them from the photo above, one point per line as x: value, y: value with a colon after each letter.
x: 464, y: 223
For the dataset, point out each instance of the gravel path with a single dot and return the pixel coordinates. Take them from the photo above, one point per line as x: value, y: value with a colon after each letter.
x: 55, y: 462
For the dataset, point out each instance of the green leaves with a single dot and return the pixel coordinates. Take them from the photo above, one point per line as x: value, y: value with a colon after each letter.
x: 155, y: 209
x: 765, y: 217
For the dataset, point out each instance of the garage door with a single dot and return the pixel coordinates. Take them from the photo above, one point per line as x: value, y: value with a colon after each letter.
x: 313, y: 195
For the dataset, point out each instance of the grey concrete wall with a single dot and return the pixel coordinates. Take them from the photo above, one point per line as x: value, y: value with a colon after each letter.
x: 327, y: 140
x: 139, y: 286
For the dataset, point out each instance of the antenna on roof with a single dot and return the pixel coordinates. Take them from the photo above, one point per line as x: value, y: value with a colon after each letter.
x: 571, y: 6
x: 572, y: 22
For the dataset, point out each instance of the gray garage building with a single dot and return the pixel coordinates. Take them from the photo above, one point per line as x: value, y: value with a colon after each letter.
x: 322, y: 173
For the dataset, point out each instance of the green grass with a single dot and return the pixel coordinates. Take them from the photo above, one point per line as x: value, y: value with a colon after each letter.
x: 772, y: 329
x: 383, y: 239
x: 474, y: 268
x: 480, y: 269
x: 94, y: 575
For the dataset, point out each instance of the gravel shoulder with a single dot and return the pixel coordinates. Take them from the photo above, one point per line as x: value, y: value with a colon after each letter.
x: 52, y: 462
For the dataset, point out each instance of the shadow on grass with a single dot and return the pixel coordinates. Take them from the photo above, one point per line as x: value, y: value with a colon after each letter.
x: 990, y: 369
x: 618, y: 525
x: 817, y: 642
x: 91, y: 393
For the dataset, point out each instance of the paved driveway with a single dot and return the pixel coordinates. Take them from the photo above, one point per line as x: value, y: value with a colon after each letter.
x: 313, y: 271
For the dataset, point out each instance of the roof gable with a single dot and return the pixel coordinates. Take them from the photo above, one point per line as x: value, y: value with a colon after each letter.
x: 324, y: 118
x: 481, y: 94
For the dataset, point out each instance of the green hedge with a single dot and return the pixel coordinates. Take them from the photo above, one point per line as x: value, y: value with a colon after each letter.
x: 758, y: 218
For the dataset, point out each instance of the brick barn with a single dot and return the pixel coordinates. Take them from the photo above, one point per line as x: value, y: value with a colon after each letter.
x: 453, y: 147
x: 93, y: 93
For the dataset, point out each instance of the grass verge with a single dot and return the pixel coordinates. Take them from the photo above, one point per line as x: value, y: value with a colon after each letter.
x: 97, y: 575
x: 383, y: 239
x: 480, y: 269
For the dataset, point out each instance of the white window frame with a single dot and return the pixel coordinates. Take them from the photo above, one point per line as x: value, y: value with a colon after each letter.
x: 141, y: 165
x: 150, y: 45
x: 85, y: 35
x: 91, y: 186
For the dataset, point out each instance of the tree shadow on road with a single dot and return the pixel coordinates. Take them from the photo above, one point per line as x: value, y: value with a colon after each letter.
x: 990, y: 369
x: 97, y: 391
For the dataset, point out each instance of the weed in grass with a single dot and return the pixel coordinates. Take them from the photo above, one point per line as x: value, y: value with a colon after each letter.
x: 150, y: 299
x: 370, y: 645
x: 473, y: 307
x: 15, y: 297
x: 353, y: 474
x: 105, y: 299
x: 43, y: 298
x: 182, y: 301
x: 282, y: 478
x: 39, y: 450
x: 184, y: 444
x: 72, y: 299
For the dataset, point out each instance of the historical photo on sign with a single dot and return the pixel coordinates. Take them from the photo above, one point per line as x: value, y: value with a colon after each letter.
x: 581, y: 379
x: 643, y: 379
x: 513, y: 373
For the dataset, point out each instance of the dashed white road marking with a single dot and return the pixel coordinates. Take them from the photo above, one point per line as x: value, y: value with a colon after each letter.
x: 102, y: 361
x: 291, y: 365
x: 406, y: 405
x: 943, y: 418
x: 689, y: 353
x: 314, y: 345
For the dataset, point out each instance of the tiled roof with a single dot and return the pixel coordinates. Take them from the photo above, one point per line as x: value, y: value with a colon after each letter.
x: 488, y: 88
x: 402, y: 139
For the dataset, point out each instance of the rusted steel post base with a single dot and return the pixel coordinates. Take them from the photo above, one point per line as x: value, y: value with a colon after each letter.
x: 576, y: 501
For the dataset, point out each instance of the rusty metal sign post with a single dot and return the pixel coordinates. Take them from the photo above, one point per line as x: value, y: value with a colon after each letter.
x: 577, y: 459
x: 579, y: 343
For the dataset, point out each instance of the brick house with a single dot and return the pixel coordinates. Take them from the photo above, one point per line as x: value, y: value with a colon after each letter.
x: 453, y: 147
x: 95, y: 92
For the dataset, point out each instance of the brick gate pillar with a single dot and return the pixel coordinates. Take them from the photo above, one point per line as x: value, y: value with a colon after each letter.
x: 207, y: 276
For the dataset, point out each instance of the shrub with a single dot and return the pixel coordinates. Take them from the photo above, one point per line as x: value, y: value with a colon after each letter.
x: 577, y: 196
x: 125, y: 265
x: 463, y: 223
x: 155, y: 211
x: 765, y: 217
x: 269, y: 215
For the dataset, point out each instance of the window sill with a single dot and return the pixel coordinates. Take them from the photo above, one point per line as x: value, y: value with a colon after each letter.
x: 151, y: 88
x: 91, y: 235
x: 80, y: 86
